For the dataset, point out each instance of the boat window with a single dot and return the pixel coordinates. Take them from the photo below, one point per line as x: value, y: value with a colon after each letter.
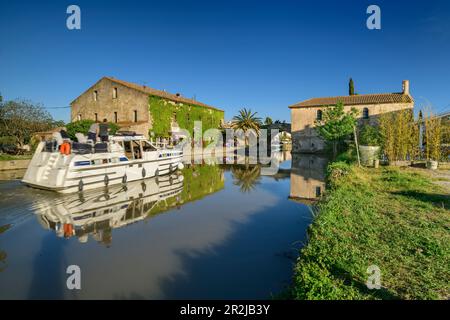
x: 146, y: 146
x: 127, y: 149
x: 137, y: 149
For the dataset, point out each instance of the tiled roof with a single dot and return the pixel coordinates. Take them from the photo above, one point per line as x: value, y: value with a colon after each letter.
x: 160, y: 93
x: 361, y: 99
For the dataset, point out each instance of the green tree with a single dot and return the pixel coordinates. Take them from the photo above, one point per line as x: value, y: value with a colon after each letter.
x: 336, y: 124
x: 351, y: 87
x: 369, y: 136
x: 246, y: 121
x: 268, y: 121
x: 21, y: 119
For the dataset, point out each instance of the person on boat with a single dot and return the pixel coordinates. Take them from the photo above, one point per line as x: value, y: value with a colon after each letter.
x: 64, y: 134
x: 104, y: 130
x: 64, y: 146
x: 93, y: 132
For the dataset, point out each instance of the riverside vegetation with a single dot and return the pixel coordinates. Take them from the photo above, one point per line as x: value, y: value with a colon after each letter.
x: 394, y: 218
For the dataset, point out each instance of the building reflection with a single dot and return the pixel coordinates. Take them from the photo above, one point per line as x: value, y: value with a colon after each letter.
x: 96, y: 213
x: 307, y: 177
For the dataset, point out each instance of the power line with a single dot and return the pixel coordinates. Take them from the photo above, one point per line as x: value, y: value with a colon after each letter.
x: 56, y: 107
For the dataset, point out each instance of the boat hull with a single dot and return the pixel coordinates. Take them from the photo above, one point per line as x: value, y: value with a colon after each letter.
x: 74, y: 173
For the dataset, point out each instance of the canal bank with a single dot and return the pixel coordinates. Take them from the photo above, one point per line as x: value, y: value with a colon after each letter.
x: 13, y: 164
x: 389, y: 220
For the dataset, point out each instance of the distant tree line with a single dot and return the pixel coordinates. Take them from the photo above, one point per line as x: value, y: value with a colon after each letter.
x: 21, y: 119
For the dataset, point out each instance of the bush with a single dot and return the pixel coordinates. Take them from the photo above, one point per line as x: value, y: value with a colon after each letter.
x: 337, y: 170
x: 8, y: 140
x: 82, y: 126
x: 370, y: 136
x: 348, y: 156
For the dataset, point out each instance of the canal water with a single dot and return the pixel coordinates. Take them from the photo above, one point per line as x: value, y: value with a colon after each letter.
x: 214, y: 231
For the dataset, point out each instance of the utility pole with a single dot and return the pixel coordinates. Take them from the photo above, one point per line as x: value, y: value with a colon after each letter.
x: 357, y: 147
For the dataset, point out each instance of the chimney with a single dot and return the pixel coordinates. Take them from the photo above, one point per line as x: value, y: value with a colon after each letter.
x: 405, y: 86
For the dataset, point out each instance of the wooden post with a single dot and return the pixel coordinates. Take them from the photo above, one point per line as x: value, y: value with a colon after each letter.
x: 357, y: 147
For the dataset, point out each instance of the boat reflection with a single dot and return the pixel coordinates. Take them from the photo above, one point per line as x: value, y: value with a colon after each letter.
x: 96, y: 213
x: 307, y: 177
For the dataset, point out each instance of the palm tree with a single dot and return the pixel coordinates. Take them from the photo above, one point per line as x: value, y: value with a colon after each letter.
x: 268, y: 121
x: 245, y: 121
x: 246, y: 177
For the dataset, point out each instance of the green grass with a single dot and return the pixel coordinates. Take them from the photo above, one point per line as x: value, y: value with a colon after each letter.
x: 387, y: 217
x: 8, y: 157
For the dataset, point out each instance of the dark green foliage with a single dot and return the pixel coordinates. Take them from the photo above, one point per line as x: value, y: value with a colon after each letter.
x: 7, y: 140
x: 198, y: 182
x: 348, y: 156
x: 336, y: 124
x: 247, y: 120
x: 163, y: 112
x: 370, y: 136
x: 351, y: 87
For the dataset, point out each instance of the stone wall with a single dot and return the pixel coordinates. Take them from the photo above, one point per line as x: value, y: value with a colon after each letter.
x: 125, y: 104
x: 304, y: 136
x: 14, y: 164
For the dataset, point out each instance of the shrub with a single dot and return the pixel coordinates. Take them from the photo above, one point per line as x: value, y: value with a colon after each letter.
x: 82, y: 126
x: 369, y: 136
x: 337, y: 170
x: 8, y: 140
x: 400, y: 135
x: 348, y: 156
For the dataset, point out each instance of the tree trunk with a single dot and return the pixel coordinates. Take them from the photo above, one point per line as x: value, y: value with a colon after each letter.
x: 334, y: 150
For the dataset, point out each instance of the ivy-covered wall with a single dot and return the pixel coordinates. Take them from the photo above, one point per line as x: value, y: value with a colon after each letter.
x: 198, y: 182
x: 163, y: 112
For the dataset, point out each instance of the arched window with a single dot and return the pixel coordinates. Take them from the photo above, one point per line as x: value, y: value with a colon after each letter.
x: 319, y: 115
x: 366, y: 113
x: 114, y: 93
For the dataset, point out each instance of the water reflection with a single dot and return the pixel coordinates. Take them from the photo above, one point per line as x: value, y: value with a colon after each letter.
x: 307, y: 177
x: 96, y: 213
x: 196, y: 235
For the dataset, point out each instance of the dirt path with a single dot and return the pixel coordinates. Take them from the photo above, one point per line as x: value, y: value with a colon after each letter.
x: 440, y: 177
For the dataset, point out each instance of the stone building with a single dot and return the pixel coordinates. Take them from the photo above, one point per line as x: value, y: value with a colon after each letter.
x: 307, y: 177
x: 142, y: 109
x: 370, y: 106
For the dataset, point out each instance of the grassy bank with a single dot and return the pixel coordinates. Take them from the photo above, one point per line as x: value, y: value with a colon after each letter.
x: 389, y: 217
x: 8, y: 157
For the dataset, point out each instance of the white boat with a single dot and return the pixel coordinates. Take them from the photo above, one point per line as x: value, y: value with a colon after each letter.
x: 123, y: 159
x: 97, y: 212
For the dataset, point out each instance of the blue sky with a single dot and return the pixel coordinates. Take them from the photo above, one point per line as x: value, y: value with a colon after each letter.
x: 264, y: 55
